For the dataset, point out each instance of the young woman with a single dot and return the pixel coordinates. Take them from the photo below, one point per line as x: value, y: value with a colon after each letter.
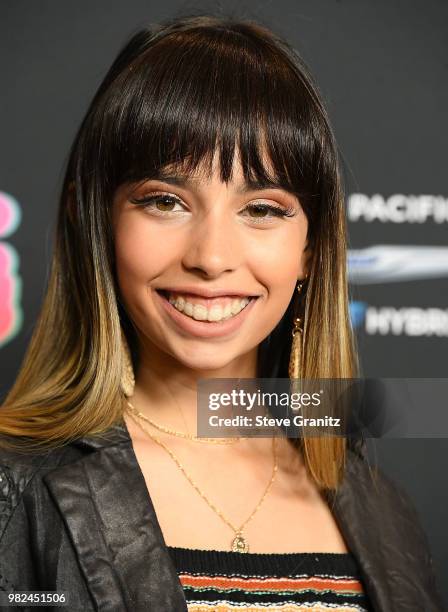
x: 201, y: 212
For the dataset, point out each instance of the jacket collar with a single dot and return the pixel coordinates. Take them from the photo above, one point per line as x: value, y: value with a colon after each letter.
x: 113, y: 525
x: 120, y: 545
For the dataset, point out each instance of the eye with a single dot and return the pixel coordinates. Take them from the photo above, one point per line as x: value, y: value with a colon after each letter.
x: 163, y: 204
x: 268, y: 211
x: 159, y: 203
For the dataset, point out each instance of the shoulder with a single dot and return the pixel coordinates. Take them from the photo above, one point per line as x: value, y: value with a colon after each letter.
x: 22, y: 473
x: 18, y: 468
x: 378, y: 491
x: 382, y: 500
x: 382, y: 522
x: 36, y: 552
x: 368, y: 483
x: 21, y: 476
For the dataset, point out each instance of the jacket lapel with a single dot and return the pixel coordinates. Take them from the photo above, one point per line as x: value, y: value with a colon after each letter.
x: 360, y: 525
x: 113, y: 525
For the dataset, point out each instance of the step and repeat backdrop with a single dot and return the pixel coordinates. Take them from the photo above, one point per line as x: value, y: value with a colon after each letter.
x: 382, y: 68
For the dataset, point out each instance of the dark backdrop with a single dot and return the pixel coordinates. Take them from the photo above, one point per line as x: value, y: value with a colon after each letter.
x: 382, y: 67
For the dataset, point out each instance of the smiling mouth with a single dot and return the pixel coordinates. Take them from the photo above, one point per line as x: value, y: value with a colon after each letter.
x: 207, y: 311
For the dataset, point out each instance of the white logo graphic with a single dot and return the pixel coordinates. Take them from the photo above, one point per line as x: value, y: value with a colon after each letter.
x: 387, y: 320
x: 397, y: 208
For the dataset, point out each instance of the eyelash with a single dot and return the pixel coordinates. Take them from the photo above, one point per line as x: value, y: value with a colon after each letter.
x: 147, y: 202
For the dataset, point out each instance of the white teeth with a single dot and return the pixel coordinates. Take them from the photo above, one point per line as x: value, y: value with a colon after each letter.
x: 188, y: 309
x: 215, y: 313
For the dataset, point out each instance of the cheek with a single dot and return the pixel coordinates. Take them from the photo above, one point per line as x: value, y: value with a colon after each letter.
x: 279, y: 256
x: 132, y: 261
x: 278, y: 263
x: 140, y: 251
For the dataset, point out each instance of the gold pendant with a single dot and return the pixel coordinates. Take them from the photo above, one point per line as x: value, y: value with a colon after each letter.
x: 239, y: 543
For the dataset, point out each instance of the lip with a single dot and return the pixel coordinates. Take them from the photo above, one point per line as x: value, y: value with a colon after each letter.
x: 206, y: 293
x: 204, y: 329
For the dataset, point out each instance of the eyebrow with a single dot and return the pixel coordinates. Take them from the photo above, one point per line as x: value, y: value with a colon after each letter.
x: 180, y: 180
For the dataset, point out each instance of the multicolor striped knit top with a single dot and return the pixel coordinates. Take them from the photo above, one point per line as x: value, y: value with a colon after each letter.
x: 223, y: 581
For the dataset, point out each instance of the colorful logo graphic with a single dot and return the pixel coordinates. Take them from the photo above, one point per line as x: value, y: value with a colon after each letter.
x: 357, y: 313
x: 11, y: 314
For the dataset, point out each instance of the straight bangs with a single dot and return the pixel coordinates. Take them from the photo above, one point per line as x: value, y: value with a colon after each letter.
x: 187, y: 95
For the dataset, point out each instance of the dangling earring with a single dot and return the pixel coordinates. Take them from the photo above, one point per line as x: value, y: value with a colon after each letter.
x: 127, y: 382
x: 295, y: 359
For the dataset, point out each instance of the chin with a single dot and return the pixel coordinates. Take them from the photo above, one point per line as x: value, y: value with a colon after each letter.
x: 204, y: 365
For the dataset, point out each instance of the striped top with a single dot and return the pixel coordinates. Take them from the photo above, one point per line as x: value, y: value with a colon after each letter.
x: 223, y: 581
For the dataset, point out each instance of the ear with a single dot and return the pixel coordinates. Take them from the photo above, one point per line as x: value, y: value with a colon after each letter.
x: 306, y: 261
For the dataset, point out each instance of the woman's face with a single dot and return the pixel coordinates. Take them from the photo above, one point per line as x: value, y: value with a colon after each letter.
x: 202, y: 236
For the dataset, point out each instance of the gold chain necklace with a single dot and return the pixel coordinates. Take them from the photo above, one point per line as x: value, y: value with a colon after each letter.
x: 239, y: 542
x: 180, y: 434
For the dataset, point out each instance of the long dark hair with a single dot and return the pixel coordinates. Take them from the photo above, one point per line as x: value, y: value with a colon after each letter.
x: 176, y: 93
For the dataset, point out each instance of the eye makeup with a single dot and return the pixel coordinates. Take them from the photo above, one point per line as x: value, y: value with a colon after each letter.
x: 152, y: 200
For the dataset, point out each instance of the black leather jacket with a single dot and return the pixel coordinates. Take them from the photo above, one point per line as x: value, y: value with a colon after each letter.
x: 79, y: 520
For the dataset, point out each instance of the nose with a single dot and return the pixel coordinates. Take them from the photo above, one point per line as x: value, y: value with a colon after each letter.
x: 213, y: 243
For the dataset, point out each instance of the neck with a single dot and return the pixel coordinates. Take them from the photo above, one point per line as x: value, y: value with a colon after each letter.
x: 166, y: 389
x: 166, y: 392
